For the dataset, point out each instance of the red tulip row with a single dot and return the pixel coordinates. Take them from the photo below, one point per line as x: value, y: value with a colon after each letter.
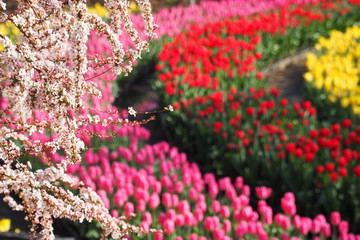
x: 205, y: 56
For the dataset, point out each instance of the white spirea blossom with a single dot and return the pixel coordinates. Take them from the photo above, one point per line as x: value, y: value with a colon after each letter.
x: 131, y: 111
x: 44, y: 71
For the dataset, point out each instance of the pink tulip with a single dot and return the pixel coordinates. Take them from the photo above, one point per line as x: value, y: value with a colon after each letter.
x: 179, y: 187
x: 90, y: 157
x: 88, y: 182
x: 245, y: 200
x: 284, y: 236
x: 120, y: 197
x: 246, y: 213
x: 224, y: 183
x: 199, y: 185
x: 168, y: 226
x: 246, y: 190
x: 173, y: 152
x: 225, y: 211
x: 183, y: 207
x: 156, y: 187
x: 193, y: 236
x: 230, y: 192
x: 189, y: 219
x: 263, y: 192
x: 209, y: 224
x: 209, y: 178
x: 104, y: 198
x: 171, y: 214
x: 239, y: 183
x: 236, y: 203
x: 114, y: 213
x: 141, y: 194
x: 288, y: 204
x: 105, y: 183
x: 262, y: 234
x: 282, y: 221
x: 158, y: 236
x: 201, y: 206
x: 125, y: 153
x: 316, y: 226
x: 297, y: 221
x: 213, y: 190
x: 141, y: 181
x: 145, y: 226
x: 252, y: 228
x: 141, y: 206
x: 268, y: 216
x: 215, y: 206
x: 227, y: 225
x: 261, y: 206
x: 154, y: 201
x: 71, y: 169
x: 241, y: 229
x: 175, y: 199
x: 192, y: 194
x: 128, y: 209
x: 326, y: 230
x: 199, y: 215
x: 166, y: 182
x: 162, y: 218
x: 186, y: 179
x: 146, y: 217
x: 343, y: 227
x: 218, y: 234
x: 129, y: 189
x: 166, y: 200
x: 94, y: 172
x: 335, y: 218
x: 179, y: 220
x: 114, y: 155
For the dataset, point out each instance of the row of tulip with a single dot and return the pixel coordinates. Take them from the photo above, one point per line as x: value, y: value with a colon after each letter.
x: 161, y: 200
x: 157, y: 182
x: 334, y: 73
x: 276, y: 45
x: 175, y: 20
x: 165, y: 191
x: 228, y: 121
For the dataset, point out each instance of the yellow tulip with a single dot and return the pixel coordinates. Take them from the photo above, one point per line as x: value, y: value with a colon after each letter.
x: 99, y: 10
x: 336, y: 67
x: 5, y: 225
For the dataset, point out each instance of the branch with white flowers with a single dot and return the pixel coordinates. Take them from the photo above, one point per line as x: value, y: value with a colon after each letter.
x: 44, y: 71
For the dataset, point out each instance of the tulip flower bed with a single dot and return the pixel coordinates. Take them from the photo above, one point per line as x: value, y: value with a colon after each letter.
x: 165, y: 191
x: 235, y: 120
x: 228, y: 120
x: 333, y: 74
x: 177, y: 19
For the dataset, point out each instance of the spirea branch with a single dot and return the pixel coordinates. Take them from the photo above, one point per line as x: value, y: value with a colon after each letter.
x: 45, y: 71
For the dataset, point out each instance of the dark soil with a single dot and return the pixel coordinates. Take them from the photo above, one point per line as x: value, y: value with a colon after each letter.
x: 287, y: 76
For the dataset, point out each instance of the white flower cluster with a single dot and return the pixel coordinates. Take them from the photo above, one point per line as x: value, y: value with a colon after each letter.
x: 44, y: 71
